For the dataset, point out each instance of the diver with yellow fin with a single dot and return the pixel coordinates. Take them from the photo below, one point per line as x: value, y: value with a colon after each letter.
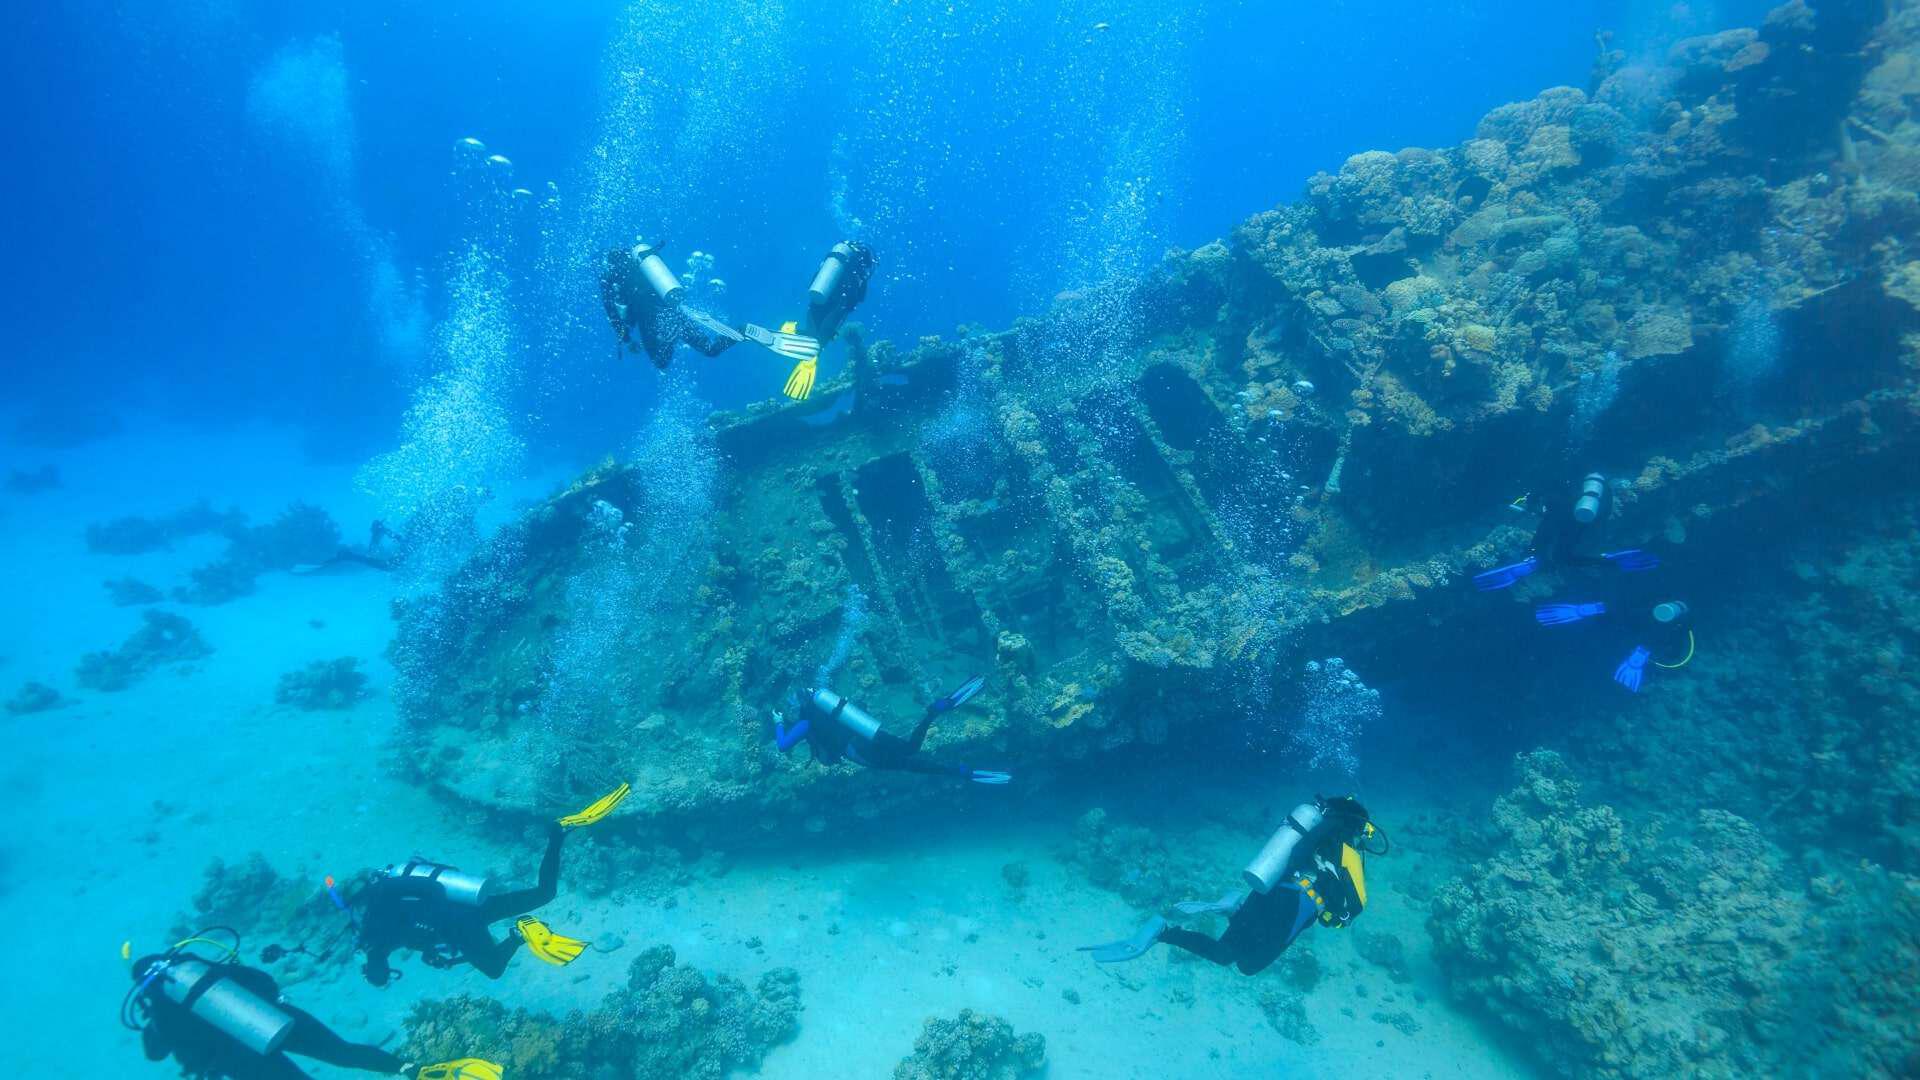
x: 645, y: 302
x: 1309, y: 871
x: 217, y: 1017
x: 444, y: 913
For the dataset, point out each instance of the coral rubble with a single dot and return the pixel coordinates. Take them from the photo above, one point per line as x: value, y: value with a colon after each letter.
x: 323, y: 684
x: 972, y: 1046
x: 163, y: 638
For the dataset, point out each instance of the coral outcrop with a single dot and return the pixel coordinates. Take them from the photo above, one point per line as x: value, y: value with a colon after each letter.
x: 1673, y: 945
x: 973, y: 1046
x: 34, y: 697
x: 323, y: 684
x: 669, y: 1022
x: 162, y: 639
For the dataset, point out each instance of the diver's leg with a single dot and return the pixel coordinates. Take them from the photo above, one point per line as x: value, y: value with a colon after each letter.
x: 1258, y: 940
x: 311, y: 1038
x: 488, y: 957
x: 521, y: 901
x: 920, y: 732
x: 1200, y: 945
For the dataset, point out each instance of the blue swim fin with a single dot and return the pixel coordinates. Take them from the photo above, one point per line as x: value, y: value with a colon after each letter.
x: 1562, y: 614
x: 1501, y: 577
x: 1632, y: 559
x: 959, y: 697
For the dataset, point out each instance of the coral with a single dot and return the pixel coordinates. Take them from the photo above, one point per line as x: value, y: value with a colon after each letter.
x: 1287, y: 1012
x: 527, y: 1045
x: 297, y: 922
x: 163, y: 638
x: 139, y: 535
x: 670, y: 1021
x: 1383, y: 950
x: 323, y: 684
x: 34, y: 697
x: 1619, y: 951
x: 1138, y: 864
x: 973, y: 1046
x: 132, y: 592
x: 301, y: 534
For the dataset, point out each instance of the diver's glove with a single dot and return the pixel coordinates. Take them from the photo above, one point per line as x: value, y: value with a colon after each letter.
x: 1561, y: 614
x: 1633, y: 669
x: 988, y: 776
x: 1632, y: 559
x: 1501, y: 577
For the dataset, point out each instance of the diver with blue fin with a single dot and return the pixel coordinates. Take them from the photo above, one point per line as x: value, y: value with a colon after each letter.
x: 646, y: 304
x: 217, y: 1017
x: 1662, y: 634
x: 836, y: 730
x: 444, y: 913
x: 1310, y: 871
x: 1568, y: 535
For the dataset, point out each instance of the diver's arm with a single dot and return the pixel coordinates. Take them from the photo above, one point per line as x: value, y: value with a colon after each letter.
x: 154, y: 1042
x: 616, y: 311
x: 786, y: 738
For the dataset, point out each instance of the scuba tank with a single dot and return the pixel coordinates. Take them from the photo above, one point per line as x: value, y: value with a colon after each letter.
x: 467, y: 890
x: 1670, y: 611
x: 203, y: 990
x: 657, y: 274
x: 848, y: 715
x: 1268, y: 867
x: 1593, y: 494
x: 826, y: 280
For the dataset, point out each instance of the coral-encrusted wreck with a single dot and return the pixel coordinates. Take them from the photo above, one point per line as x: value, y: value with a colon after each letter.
x: 1701, y: 279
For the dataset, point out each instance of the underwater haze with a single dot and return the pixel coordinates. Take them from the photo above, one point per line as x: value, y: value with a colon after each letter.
x: 962, y: 541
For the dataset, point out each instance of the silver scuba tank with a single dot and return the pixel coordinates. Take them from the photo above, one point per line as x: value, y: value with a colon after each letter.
x: 470, y: 890
x: 846, y: 713
x: 1270, y: 866
x: 659, y: 276
x: 1669, y: 611
x: 1593, y: 491
x: 826, y: 280
x: 253, y: 1021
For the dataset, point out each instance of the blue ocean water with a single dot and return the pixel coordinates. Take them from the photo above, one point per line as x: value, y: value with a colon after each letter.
x: 283, y: 276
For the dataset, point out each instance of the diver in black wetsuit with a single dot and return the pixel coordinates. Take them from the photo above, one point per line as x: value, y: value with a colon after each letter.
x: 444, y: 913
x: 1310, y: 871
x: 1569, y: 534
x: 835, y: 729
x: 218, y: 1018
x: 642, y: 298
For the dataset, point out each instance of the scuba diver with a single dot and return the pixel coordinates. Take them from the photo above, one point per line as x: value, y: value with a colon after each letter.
x: 220, y: 1018
x: 1309, y: 871
x: 643, y: 300
x: 443, y: 913
x: 835, y: 729
x: 1569, y: 535
x: 1660, y: 630
x: 645, y: 303
x: 378, y: 553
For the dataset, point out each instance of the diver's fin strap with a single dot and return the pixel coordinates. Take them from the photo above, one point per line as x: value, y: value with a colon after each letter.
x: 792, y: 346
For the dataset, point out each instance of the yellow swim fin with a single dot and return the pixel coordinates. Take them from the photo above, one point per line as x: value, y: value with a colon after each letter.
x: 800, y: 383
x: 461, y: 1069
x: 599, y: 809
x: 556, y: 949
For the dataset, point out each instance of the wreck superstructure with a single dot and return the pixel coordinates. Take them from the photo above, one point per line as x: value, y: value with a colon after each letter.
x: 1127, y: 510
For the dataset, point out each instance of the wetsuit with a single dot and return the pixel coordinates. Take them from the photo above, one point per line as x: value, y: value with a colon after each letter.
x: 634, y: 310
x: 415, y: 913
x: 202, y: 1050
x: 830, y: 742
x: 1318, y: 889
